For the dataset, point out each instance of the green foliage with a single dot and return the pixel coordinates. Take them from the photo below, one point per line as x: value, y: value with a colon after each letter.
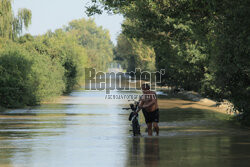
x: 95, y: 39
x: 27, y: 78
x: 23, y: 20
x: 132, y: 53
x: 203, y: 45
x: 11, y: 26
x: 14, y: 88
x: 6, y: 18
x: 230, y: 66
x: 63, y: 48
x: 34, y: 69
x: 25, y: 38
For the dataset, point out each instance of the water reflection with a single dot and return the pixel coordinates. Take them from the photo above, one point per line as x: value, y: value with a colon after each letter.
x: 84, y: 129
x: 196, y: 152
x: 144, y: 151
x: 151, y: 152
x: 81, y: 130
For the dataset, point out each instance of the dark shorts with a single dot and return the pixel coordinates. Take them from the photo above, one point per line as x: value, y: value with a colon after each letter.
x: 151, y: 116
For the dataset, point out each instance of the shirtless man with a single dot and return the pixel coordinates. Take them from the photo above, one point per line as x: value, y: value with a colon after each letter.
x: 149, y: 106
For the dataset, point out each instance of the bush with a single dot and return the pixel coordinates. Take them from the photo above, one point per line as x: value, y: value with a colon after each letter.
x: 34, y: 69
x: 65, y: 50
x: 26, y: 79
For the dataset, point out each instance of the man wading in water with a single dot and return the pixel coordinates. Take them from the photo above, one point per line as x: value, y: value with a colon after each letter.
x: 149, y: 106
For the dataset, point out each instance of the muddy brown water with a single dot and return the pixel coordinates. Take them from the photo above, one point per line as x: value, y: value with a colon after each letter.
x: 85, y: 129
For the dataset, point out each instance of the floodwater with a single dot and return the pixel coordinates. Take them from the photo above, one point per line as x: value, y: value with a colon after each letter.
x: 85, y: 129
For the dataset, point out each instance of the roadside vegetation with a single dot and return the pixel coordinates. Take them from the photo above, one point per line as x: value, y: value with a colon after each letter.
x: 202, y: 45
x: 38, y: 68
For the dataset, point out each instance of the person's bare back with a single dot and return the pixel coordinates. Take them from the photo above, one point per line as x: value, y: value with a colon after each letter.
x: 149, y: 101
x: 149, y: 106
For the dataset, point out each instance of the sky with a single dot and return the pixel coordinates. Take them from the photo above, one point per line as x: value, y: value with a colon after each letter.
x: 53, y: 14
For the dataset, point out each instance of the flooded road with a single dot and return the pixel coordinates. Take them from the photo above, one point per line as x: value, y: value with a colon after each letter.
x: 85, y: 129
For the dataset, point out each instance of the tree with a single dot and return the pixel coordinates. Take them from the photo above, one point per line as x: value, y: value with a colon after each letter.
x: 11, y: 26
x: 203, y: 45
x: 132, y: 53
x: 95, y: 39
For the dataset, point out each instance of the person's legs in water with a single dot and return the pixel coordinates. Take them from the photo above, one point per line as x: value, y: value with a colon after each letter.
x: 149, y: 128
x: 156, y: 127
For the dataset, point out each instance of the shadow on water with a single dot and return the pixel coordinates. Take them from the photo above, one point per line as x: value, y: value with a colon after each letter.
x: 85, y: 129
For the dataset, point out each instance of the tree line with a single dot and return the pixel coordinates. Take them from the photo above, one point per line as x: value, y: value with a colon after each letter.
x: 38, y: 68
x: 202, y: 45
